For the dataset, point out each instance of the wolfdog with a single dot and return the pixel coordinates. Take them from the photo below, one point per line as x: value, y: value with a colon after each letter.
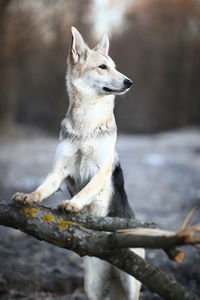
x: 87, y: 160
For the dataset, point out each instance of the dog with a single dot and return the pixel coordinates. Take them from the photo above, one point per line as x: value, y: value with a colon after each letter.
x: 87, y: 160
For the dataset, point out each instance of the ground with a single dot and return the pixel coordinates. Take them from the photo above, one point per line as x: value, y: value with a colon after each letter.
x: 162, y: 176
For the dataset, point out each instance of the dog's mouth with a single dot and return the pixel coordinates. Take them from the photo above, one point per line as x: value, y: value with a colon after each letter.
x: 112, y: 91
x: 107, y: 89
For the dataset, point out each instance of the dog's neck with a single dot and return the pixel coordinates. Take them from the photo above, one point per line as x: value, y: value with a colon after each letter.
x: 88, y: 113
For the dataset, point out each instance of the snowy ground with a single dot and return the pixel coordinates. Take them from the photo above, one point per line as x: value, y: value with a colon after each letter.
x: 162, y: 175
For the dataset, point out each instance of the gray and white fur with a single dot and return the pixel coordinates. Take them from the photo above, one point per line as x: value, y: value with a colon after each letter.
x: 87, y: 160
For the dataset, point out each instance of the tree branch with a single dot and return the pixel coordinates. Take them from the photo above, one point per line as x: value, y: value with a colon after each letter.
x: 70, y: 232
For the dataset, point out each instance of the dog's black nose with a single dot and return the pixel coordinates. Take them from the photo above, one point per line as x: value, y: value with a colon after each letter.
x: 128, y: 82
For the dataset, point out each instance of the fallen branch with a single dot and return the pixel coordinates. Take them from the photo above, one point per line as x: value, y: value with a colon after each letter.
x: 155, y: 238
x: 70, y: 232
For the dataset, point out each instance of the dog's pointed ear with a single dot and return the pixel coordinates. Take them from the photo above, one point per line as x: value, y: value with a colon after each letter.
x: 78, y: 46
x: 103, y: 45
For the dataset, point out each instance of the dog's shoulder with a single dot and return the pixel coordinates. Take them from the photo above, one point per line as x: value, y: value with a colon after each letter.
x: 66, y: 132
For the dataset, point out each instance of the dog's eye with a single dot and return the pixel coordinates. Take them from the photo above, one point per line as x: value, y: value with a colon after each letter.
x: 104, y: 67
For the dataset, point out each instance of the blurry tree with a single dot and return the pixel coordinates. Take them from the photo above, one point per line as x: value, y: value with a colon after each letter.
x: 158, y: 48
x: 5, y: 105
x: 163, y: 59
x: 33, y: 54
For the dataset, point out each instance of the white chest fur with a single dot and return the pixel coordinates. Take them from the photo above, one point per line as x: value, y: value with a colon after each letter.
x: 84, y: 158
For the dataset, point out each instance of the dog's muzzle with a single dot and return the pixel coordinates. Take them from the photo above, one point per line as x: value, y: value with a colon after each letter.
x: 126, y: 85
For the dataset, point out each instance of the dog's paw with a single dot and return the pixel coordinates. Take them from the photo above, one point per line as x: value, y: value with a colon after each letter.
x: 69, y: 206
x: 21, y: 198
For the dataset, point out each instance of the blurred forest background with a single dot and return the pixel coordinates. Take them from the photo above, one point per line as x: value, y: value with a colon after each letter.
x: 154, y: 42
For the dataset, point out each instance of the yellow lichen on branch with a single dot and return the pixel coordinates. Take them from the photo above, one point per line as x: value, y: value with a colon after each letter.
x: 48, y: 218
x: 30, y: 211
x: 57, y: 243
x: 63, y: 224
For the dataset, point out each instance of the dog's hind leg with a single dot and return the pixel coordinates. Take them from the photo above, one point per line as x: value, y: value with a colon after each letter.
x: 97, y: 276
x: 124, y: 286
x: 116, y: 290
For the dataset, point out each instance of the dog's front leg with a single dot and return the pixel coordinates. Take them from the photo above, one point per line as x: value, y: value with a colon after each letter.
x: 85, y: 196
x: 47, y: 188
x: 53, y: 181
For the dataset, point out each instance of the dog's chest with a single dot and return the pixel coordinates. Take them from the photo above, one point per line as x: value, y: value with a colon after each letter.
x: 87, y: 160
x: 85, y: 164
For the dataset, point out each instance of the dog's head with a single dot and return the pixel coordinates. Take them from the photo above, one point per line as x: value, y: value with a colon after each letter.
x: 92, y: 71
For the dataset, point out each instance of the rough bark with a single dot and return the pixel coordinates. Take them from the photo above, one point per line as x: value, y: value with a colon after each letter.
x: 70, y: 232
